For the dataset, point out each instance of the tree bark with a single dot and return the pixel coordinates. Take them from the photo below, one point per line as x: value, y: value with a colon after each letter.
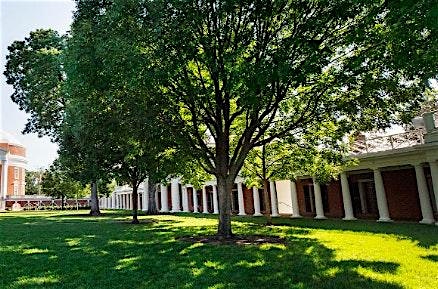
x: 265, y: 189
x: 267, y: 202
x: 62, y: 202
x: 224, y: 186
x: 135, y: 203
x: 94, y: 200
x: 152, y: 202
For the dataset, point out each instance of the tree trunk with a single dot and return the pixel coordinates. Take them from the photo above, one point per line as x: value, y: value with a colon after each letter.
x: 94, y: 200
x: 152, y: 202
x: 224, y: 186
x: 267, y: 202
x: 62, y: 202
x: 265, y: 189
x: 134, y: 203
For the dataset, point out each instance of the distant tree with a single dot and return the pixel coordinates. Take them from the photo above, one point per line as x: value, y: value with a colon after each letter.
x: 33, y: 182
x: 34, y: 68
x: 58, y: 184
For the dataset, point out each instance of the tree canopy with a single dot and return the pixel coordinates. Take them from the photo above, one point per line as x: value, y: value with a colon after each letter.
x: 227, y: 77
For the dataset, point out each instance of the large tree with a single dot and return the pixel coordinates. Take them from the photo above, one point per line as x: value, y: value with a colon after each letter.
x: 117, y: 126
x: 277, y: 68
x: 36, y: 69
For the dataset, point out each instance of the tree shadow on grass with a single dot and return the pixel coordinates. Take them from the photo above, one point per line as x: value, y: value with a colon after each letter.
x: 433, y: 258
x: 112, y: 255
x: 425, y: 235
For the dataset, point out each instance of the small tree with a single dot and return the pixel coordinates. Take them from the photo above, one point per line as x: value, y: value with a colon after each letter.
x: 58, y: 184
x: 317, y: 153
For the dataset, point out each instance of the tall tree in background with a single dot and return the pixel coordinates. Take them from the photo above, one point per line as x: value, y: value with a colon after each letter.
x: 110, y: 114
x: 36, y: 69
x: 276, y: 68
x: 33, y: 182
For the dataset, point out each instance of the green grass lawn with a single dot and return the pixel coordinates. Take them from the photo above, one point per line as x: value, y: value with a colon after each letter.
x: 67, y: 250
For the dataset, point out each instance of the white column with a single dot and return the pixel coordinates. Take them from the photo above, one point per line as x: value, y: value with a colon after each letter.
x: 185, y: 199
x: 130, y: 201
x: 434, y: 173
x: 113, y: 200
x: 318, y: 200
x: 423, y: 193
x: 294, y: 199
x: 362, y: 196
x: 382, y: 203
x: 215, y: 201
x: 240, y: 199
x: 256, y: 197
x: 274, y: 202
x: 164, y: 199
x: 139, y: 205
x: 174, y: 190
x: 195, y: 200
x: 117, y: 197
x: 4, y: 184
x: 145, y: 199
x: 346, y: 198
x: 204, y: 200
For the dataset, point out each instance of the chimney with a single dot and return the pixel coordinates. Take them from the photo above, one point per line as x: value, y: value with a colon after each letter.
x: 431, y: 129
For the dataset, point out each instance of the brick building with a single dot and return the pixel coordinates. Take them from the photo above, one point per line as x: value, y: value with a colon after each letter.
x: 12, y: 167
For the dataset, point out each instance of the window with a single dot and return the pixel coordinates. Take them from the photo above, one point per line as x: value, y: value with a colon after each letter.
x: 15, y: 189
x: 16, y: 173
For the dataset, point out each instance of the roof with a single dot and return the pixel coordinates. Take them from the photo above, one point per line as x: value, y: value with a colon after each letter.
x: 8, y: 138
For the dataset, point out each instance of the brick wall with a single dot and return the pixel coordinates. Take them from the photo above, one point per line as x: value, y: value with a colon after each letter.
x: 13, y: 149
x: 248, y: 200
x: 402, y: 194
x: 336, y: 205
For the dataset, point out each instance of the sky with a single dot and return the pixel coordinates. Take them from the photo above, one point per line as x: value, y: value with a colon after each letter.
x: 17, y: 19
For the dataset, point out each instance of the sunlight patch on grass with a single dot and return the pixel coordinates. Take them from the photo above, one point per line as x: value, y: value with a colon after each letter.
x: 197, y: 271
x: 248, y: 264
x: 129, y: 263
x: 34, y: 251
x: 189, y: 248
x: 72, y: 242
x: 218, y: 286
x: 214, y: 265
x: 43, y: 280
x: 268, y: 246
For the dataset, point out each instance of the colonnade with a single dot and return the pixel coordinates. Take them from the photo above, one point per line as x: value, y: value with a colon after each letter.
x: 123, y: 199
x: 382, y: 203
x: 180, y: 202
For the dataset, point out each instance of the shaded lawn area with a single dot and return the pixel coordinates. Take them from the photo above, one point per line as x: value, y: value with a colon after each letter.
x: 68, y: 250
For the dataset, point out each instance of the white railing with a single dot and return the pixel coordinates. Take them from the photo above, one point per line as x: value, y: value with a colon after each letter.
x: 388, y: 142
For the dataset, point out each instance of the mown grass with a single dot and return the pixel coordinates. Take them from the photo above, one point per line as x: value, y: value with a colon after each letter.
x: 68, y: 250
